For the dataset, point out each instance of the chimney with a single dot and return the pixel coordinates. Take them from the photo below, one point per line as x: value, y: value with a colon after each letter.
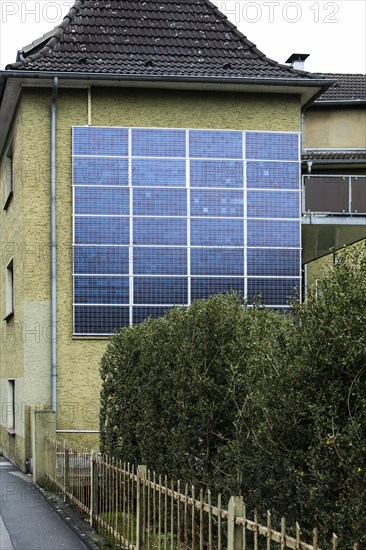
x: 297, y: 60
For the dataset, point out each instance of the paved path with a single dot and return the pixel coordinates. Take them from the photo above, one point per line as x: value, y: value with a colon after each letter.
x: 27, y: 521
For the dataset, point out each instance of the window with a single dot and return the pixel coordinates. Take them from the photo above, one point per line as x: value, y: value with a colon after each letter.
x: 9, y: 176
x: 9, y: 291
x: 10, y: 409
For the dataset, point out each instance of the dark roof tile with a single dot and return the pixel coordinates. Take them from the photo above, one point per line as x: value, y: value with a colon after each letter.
x: 334, y: 155
x: 349, y: 87
x: 189, y: 38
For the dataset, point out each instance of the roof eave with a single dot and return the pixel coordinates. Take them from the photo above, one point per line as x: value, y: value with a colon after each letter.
x: 347, y: 102
x: 301, y: 85
x: 127, y: 76
x: 334, y: 161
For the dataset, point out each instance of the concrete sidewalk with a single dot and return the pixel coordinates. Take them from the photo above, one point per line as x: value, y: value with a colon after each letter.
x: 27, y: 520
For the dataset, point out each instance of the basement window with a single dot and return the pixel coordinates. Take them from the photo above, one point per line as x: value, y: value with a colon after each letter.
x: 9, y: 176
x: 9, y: 291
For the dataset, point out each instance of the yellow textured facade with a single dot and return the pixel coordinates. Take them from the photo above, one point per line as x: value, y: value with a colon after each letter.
x: 26, y: 224
x: 338, y: 128
x: 190, y: 109
x: 319, y: 267
x: 12, y: 351
x: 315, y: 271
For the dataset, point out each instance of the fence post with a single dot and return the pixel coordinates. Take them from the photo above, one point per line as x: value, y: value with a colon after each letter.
x: 66, y: 468
x: 140, y: 535
x: 42, y: 423
x: 93, y: 487
x: 235, y: 532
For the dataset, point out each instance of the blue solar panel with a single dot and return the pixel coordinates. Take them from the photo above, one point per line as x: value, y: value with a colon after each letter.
x: 268, y: 146
x: 164, y: 224
x: 160, y: 290
x: 100, y: 319
x: 101, y: 290
x: 217, y: 261
x: 273, y: 233
x: 158, y: 143
x: 217, y: 232
x: 160, y: 261
x: 215, y: 144
x: 158, y: 172
x: 160, y: 231
x: 101, y: 141
x: 91, y: 230
x: 272, y: 175
x: 213, y: 173
x: 272, y: 204
x: 100, y: 171
x: 101, y: 260
x: 102, y: 200
x: 217, y: 203
x: 273, y: 262
x: 158, y: 202
x: 272, y: 291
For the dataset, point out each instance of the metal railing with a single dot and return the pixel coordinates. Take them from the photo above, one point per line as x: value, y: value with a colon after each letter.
x: 334, y: 195
x: 135, y: 509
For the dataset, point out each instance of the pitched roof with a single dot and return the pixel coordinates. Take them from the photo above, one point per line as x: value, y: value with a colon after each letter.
x: 186, y: 38
x: 349, y: 87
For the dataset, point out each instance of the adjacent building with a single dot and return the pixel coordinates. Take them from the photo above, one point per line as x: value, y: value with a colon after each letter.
x: 334, y: 172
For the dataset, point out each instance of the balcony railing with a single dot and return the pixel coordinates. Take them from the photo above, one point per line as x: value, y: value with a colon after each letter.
x: 334, y: 195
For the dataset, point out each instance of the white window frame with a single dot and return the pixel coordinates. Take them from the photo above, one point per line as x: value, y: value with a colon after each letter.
x: 9, y: 311
x: 10, y: 411
x: 9, y: 176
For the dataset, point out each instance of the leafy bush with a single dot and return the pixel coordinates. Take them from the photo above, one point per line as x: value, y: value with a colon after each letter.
x: 252, y: 402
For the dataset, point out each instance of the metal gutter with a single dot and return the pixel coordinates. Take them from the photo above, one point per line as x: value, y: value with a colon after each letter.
x: 335, y: 161
x: 166, y: 78
x: 53, y: 249
x: 347, y: 102
x: 336, y: 149
x: 327, y: 84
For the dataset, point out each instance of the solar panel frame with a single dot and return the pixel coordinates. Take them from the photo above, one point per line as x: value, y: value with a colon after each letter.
x: 200, y: 210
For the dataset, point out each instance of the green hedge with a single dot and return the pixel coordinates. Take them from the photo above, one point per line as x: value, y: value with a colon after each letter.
x: 253, y: 402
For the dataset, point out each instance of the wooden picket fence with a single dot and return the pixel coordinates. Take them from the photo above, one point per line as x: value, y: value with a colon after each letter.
x: 134, y: 509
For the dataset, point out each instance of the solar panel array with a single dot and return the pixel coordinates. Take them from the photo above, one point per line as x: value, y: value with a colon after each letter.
x: 163, y: 217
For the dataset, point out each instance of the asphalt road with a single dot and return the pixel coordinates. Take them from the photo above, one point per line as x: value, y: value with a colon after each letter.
x: 27, y: 521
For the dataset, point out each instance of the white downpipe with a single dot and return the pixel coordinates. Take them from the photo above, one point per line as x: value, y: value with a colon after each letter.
x: 89, y: 106
x: 53, y: 249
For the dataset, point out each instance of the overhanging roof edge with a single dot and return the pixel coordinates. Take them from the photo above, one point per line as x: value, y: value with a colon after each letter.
x: 328, y: 103
x: 334, y: 161
x: 166, y: 78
